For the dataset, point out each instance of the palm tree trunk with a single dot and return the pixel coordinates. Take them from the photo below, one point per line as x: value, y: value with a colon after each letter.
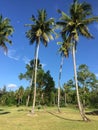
x: 84, y: 91
x: 59, y: 83
x: 35, y: 75
x: 65, y: 99
x: 82, y: 113
x: 27, y: 102
x: 58, y: 99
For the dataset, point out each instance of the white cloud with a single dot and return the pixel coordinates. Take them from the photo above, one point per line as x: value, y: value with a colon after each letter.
x: 26, y: 60
x: 12, y: 54
x: 43, y: 65
x: 12, y: 85
x: 96, y: 74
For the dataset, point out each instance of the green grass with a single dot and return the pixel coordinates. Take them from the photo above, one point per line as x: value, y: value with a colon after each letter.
x: 19, y: 118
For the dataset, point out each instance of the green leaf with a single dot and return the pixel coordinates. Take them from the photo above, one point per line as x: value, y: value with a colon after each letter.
x: 59, y: 43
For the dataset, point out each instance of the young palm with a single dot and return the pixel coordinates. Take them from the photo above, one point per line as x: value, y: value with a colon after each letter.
x: 64, y: 52
x: 40, y: 31
x: 73, y: 26
x: 5, y: 31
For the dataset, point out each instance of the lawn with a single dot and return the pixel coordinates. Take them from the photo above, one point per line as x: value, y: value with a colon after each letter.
x: 19, y: 118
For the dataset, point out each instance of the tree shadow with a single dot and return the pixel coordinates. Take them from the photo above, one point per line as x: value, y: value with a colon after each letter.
x: 1, y: 109
x: 92, y: 113
x: 62, y: 117
x: 19, y: 110
x: 3, y: 113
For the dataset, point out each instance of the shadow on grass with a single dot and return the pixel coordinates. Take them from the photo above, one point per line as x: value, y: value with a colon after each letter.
x: 1, y: 109
x: 62, y: 117
x: 3, y: 113
x: 19, y: 110
x: 92, y: 113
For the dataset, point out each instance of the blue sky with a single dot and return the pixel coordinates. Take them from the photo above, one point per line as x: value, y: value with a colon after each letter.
x: 20, y: 53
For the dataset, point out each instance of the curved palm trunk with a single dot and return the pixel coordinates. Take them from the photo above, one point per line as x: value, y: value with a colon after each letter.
x: 59, y: 83
x: 35, y: 76
x: 77, y: 90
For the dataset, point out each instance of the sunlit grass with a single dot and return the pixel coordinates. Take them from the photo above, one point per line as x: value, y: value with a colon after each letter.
x: 19, y: 118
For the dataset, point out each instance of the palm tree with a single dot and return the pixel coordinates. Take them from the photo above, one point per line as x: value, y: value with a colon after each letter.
x: 73, y: 26
x: 64, y: 52
x: 40, y: 31
x: 5, y: 31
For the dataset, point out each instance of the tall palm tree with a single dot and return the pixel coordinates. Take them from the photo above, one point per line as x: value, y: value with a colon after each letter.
x: 6, y: 30
x: 40, y: 31
x: 74, y: 25
x: 64, y: 52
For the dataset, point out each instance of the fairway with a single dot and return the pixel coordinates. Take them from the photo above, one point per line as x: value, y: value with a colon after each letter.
x: 19, y: 118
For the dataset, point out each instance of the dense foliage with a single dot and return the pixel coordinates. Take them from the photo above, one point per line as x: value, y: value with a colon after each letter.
x: 47, y: 93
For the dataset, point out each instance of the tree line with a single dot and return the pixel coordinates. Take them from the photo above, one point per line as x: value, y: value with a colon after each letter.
x: 47, y: 93
x: 42, y: 30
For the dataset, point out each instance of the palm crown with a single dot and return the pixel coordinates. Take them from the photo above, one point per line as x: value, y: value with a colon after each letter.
x: 76, y: 24
x: 41, y: 29
x: 5, y: 30
x: 64, y: 48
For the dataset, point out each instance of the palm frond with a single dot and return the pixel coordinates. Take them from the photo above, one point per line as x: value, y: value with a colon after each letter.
x: 50, y: 36
x: 6, y: 30
x: 90, y: 20
x: 45, y: 37
x: 85, y: 32
x: 3, y: 45
x: 42, y: 15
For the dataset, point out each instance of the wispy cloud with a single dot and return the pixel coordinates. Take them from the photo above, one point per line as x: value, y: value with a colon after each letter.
x: 12, y: 86
x: 12, y: 54
x: 26, y: 60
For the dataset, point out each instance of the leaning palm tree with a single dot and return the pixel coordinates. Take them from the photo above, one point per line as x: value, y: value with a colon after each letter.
x: 40, y: 31
x: 74, y: 25
x: 64, y: 52
x: 6, y: 30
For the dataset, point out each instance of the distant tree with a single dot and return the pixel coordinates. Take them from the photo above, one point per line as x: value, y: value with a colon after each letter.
x: 49, y: 89
x: 29, y: 70
x: 40, y: 31
x: 6, y: 30
x: 19, y: 95
x: 44, y: 83
x: 27, y: 94
x: 87, y: 81
x: 29, y: 75
x: 40, y: 86
x: 67, y: 89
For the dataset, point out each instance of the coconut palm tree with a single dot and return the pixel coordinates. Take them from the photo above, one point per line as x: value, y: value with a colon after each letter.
x: 74, y: 25
x: 64, y: 52
x: 6, y: 30
x: 40, y: 31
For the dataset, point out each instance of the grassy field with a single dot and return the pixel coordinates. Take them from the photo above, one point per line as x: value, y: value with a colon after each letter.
x: 19, y: 118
